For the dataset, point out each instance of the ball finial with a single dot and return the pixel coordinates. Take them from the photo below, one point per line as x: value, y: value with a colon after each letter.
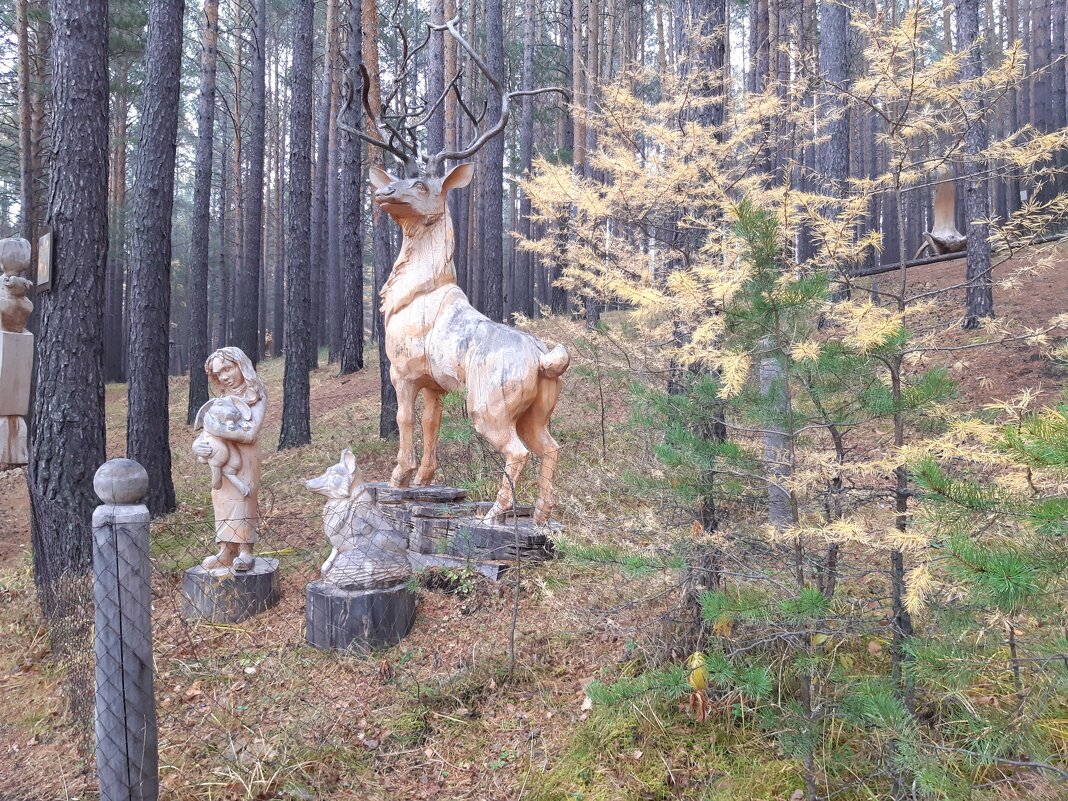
x: 121, y: 482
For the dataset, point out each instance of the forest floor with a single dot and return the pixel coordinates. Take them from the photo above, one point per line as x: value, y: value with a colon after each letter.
x: 249, y: 712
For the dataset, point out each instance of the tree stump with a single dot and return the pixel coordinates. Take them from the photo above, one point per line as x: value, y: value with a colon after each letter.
x: 358, y: 619
x: 226, y: 596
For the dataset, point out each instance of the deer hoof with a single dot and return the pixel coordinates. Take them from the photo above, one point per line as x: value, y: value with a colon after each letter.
x: 401, y: 477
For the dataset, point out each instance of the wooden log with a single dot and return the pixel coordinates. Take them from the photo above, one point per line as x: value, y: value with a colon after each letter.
x: 488, y: 568
x: 226, y: 596
x: 432, y: 493
x: 358, y: 619
x: 127, y: 758
x: 430, y: 535
x: 473, y: 539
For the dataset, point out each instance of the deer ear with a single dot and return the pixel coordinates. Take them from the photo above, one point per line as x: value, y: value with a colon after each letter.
x: 458, y: 177
x: 380, y: 178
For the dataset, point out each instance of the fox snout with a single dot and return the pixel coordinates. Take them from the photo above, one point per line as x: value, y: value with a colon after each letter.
x: 331, y: 486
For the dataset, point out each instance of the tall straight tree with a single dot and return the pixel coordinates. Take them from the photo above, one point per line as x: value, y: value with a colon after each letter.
x: 296, y: 401
x: 435, y: 130
x: 979, y: 293
x: 247, y: 289
x: 383, y: 257
x: 27, y: 178
x: 319, y: 233
x: 147, y: 426
x: 198, y: 267
x: 351, y: 180
x: 833, y: 155
x: 67, y: 441
x: 524, y: 301
x: 491, y: 269
x: 1058, y: 80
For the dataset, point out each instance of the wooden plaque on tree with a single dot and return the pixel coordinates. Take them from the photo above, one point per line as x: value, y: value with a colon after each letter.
x: 44, y: 262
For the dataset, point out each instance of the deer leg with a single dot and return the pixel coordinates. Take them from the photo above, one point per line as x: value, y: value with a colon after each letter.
x: 547, y: 449
x: 406, y: 464
x: 533, y: 427
x: 511, y: 447
x: 431, y: 427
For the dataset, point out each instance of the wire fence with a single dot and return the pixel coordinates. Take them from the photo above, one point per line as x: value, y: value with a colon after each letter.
x: 804, y: 650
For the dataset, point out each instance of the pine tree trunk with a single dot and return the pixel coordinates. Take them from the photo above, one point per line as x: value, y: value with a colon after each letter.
x: 247, y: 287
x: 114, y: 292
x: 382, y: 250
x: 67, y: 442
x: 834, y: 69
x: 296, y: 402
x: 27, y: 178
x: 435, y: 129
x: 979, y: 293
x: 1058, y: 80
x: 332, y: 309
x: 524, y: 302
x: 222, y: 280
x: 319, y: 194
x: 351, y: 181
x: 148, y: 423
x: 280, y: 248
x: 491, y: 259
x: 198, y: 266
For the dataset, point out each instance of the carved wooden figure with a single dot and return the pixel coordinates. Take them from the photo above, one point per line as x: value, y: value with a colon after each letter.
x: 229, y: 444
x: 436, y: 340
x: 437, y: 343
x: 366, y: 551
x: 943, y: 236
x: 16, y: 351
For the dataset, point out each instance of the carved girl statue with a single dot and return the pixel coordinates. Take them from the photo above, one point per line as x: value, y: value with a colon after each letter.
x: 234, y: 378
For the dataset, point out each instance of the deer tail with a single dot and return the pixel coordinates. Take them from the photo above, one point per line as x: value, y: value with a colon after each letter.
x: 554, y: 363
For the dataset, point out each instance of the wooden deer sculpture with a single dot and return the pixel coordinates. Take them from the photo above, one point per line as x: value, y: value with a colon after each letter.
x: 943, y: 236
x: 437, y: 342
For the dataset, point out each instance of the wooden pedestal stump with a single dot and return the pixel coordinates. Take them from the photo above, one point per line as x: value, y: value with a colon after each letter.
x: 346, y: 619
x: 226, y: 596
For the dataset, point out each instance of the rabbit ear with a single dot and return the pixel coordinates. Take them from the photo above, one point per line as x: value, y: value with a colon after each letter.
x: 199, y: 422
x: 246, y: 411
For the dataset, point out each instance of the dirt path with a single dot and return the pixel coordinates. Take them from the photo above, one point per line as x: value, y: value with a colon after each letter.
x: 14, y: 517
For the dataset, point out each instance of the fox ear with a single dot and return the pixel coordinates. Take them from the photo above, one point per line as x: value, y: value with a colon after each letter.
x: 348, y: 458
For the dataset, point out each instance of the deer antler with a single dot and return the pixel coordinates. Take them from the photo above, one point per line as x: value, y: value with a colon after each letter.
x: 401, y: 150
x: 434, y: 162
x: 399, y: 136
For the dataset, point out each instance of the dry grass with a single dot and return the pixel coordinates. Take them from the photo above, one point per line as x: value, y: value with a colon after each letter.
x: 250, y: 712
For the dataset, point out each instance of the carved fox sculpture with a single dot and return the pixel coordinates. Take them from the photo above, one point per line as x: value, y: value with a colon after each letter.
x: 437, y: 343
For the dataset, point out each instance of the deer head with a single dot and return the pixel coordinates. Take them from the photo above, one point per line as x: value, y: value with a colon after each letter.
x: 404, y: 198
